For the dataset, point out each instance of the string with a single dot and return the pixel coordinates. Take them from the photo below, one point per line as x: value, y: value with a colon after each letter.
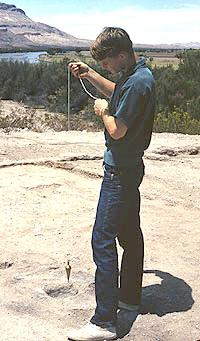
x: 87, y: 92
x: 68, y: 94
x: 68, y: 97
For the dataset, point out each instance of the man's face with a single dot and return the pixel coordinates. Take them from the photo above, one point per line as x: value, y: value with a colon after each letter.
x: 114, y: 64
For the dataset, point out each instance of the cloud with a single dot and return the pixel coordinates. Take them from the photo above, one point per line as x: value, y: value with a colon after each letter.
x: 144, y: 26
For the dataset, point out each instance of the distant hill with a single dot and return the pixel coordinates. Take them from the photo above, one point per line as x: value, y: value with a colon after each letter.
x: 19, y: 31
x: 178, y: 46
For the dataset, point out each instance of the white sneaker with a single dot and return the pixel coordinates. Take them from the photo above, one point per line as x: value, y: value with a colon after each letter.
x: 92, y: 332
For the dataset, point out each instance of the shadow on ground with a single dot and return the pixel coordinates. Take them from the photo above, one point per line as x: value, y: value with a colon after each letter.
x: 172, y: 295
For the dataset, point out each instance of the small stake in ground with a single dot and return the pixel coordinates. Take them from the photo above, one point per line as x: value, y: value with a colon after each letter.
x: 68, y: 270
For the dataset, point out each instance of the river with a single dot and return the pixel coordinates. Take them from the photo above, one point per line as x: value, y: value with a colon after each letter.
x: 31, y: 57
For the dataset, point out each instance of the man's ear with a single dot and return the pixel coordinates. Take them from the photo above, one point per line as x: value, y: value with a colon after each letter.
x: 122, y: 55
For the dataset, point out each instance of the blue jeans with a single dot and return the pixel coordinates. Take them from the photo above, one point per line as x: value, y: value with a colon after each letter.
x: 118, y: 216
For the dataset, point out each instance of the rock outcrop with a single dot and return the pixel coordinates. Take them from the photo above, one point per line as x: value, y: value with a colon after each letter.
x: 17, y: 30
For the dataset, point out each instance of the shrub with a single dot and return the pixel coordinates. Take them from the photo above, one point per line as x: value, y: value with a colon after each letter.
x: 176, y: 121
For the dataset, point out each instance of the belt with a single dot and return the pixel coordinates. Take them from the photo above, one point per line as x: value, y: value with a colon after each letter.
x: 116, y: 170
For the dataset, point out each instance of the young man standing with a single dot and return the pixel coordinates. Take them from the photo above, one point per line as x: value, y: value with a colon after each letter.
x: 128, y: 120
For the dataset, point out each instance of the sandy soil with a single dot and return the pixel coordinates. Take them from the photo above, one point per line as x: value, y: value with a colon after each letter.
x: 49, y: 187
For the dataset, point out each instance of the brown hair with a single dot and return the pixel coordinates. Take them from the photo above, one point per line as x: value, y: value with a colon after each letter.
x: 110, y: 42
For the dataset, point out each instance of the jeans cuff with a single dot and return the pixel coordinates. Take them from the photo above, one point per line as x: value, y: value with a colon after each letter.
x: 103, y: 324
x: 131, y: 307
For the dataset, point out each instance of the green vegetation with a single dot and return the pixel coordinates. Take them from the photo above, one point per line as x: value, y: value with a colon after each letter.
x: 49, y: 50
x: 180, y: 88
x: 45, y: 85
x: 176, y: 121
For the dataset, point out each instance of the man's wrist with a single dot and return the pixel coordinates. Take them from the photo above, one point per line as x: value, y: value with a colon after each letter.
x: 90, y: 74
x: 104, y: 112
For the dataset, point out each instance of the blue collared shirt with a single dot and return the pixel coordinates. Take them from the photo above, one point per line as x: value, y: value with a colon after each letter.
x: 133, y: 102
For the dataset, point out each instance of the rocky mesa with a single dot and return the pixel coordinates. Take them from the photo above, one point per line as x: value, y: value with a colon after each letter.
x: 17, y: 30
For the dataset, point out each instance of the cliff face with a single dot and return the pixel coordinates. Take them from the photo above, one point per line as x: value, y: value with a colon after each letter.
x: 18, y: 30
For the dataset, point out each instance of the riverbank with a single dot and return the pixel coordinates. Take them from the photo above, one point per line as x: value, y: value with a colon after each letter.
x: 30, y: 57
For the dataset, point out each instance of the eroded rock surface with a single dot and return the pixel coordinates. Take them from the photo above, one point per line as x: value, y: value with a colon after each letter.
x: 49, y: 186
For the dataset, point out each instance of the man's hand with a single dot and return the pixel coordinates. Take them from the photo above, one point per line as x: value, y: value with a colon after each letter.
x: 101, y: 107
x: 115, y: 127
x: 79, y: 69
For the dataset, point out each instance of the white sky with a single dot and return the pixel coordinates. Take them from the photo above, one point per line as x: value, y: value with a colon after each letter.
x: 147, y: 21
x: 152, y: 26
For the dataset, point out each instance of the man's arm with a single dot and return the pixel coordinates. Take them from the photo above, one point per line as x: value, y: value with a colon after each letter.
x: 115, y: 127
x: 103, y: 84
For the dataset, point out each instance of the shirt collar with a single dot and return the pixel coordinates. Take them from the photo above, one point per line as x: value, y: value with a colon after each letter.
x: 140, y: 63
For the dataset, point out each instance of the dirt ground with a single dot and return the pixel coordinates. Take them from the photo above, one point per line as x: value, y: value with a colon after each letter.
x: 49, y: 187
